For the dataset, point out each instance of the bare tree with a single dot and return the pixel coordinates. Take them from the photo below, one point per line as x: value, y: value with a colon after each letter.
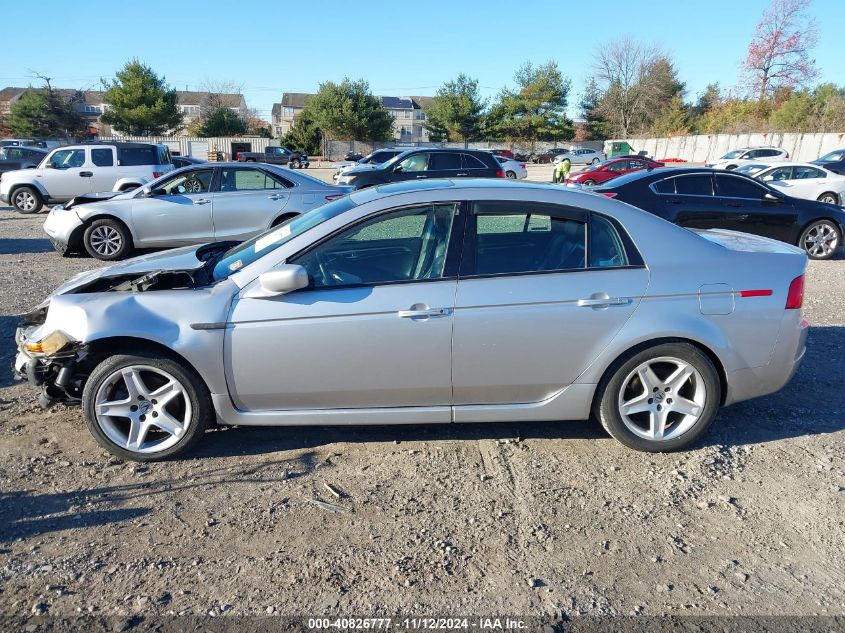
x: 638, y: 82
x: 779, y: 55
x: 218, y: 96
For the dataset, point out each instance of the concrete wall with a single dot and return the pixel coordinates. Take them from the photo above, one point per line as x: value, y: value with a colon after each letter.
x: 337, y: 149
x: 707, y: 147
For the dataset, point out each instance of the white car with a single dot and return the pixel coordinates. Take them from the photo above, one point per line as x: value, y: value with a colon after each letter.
x: 804, y: 180
x: 748, y: 155
x: 75, y: 170
x: 581, y: 156
x: 513, y: 168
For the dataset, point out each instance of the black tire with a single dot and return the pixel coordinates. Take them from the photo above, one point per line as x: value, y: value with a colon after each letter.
x: 607, y: 408
x: 283, y: 218
x: 510, y: 174
x: 295, y: 164
x: 589, y: 182
x: 194, y: 389
x: 831, y: 244
x: 107, y: 240
x: 829, y: 197
x: 27, y: 200
x: 596, y: 161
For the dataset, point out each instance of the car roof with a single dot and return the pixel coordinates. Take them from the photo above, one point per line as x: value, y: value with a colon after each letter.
x: 780, y: 149
x: 790, y: 164
x: 121, y: 144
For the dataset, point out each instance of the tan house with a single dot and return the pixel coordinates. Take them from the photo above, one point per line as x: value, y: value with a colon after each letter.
x: 408, y: 115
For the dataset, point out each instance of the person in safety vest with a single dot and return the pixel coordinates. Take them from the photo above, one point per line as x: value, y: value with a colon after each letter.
x: 561, y: 172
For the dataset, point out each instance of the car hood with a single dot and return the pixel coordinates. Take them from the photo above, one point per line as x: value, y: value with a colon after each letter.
x: 102, y: 196
x: 182, y: 259
x: 360, y: 169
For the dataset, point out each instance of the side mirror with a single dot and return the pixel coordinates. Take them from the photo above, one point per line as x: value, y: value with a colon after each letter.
x: 771, y: 197
x: 279, y: 281
x: 397, y: 169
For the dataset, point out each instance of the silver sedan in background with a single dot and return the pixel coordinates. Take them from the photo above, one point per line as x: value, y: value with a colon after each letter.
x: 427, y: 302
x: 581, y: 156
x: 210, y: 202
x: 513, y: 169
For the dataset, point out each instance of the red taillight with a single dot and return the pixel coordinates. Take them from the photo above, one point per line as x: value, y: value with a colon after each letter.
x: 755, y: 293
x: 787, y: 156
x: 608, y: 194
x: 157, y: 174
x: 522, y: 165
x: 500, y: 173
x: 795, y: 296
x: 238, y: 156
x: 333, y: 196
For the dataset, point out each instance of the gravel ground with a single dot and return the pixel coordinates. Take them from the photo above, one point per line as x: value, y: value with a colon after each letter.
x: 543, y: 519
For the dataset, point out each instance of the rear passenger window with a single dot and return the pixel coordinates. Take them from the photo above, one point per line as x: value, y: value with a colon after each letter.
x: 471, y: 162
x: 736, y: 187
x: 606, y: 248
x: 665, y: 186
x: 444, y: 161
x: 102, y: 157
x: 247, y: 180
x: 525, y: 240
x: 694, y: 185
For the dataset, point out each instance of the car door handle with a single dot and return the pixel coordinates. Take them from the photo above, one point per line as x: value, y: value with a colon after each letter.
x: 605, y: 302
x: 202, y: 201
x: 86, y: 174
x: 462, y: 173
x: 276, y: 196
x: 422, y: 176
x: 424, y: 313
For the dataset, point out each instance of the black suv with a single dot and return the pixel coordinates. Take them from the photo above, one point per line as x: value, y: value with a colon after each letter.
x: 422, y: 163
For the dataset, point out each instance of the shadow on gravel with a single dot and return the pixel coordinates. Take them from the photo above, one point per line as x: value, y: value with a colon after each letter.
x: 25, y: 513
x: 19, y: 246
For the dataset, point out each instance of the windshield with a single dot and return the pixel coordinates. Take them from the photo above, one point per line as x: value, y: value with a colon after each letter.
x: 750, y: 169
x: 734, y: 154
x: 248, y: 252
x: 832, y: 156
x: 396, y: 158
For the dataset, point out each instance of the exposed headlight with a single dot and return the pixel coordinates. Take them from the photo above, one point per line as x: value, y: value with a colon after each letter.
x: 51, y: 344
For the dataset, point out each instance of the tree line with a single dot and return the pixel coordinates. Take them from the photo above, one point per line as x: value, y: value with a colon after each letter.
x: 634, y: 89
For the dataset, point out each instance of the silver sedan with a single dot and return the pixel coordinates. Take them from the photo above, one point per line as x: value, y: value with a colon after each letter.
x: 427, y: 302
x: 211, y: 202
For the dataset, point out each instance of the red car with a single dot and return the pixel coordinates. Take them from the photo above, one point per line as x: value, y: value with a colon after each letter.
x: 597, y: 174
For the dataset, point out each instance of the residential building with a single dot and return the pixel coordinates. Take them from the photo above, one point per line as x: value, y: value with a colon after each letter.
x: 90, y: 104
x: 408, y: 115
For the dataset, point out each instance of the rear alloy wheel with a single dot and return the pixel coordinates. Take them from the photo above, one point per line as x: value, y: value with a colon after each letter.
x: 820, y: 240
x: 26, y: 200
x: 660, y: 399
x: 510, y: 175
x: 295, y: 164
x: 145, y: 408
x: 829, y: 197
x: 589, y: 183
x: 107, y: 240
x: 596, y: 161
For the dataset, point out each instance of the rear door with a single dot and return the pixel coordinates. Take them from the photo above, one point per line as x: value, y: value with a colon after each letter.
x: 531, y: 312
x: 103, y: 169
x: 178, y: 212
x: 749, y: 209
x: 247, y: 200
x: 689, y: 201
x: 444, y: 165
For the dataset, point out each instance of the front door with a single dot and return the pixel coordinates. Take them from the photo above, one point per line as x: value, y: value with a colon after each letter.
x: 68, y: 175
x: 247, y: 201
x: 178, y: 211
x: 413, y: 167
x: 373, y: 329
x: 531, y: 311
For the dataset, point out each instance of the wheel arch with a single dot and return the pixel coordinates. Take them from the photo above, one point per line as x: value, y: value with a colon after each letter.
x: 832, y: 193
x: 282, y: 217
x: 101, y: 348
x: 32, y: 185
x: 644, y: 345
x: 812, y: 221
x: 78, y: 233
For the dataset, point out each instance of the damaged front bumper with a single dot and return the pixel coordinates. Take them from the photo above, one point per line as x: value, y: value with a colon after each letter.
x: 55, y: 374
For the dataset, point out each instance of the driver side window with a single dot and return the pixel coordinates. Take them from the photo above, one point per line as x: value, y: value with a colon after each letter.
x: 405, y: 245
x: 195, y: 181
x: 68, y: 158
x: 416, y: 162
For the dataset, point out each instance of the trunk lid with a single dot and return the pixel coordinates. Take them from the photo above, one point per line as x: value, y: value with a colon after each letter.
x: 745, y: 242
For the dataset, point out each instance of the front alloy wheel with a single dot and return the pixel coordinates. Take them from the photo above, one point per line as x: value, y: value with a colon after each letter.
x: 659, y: 399
x: 145, y: 408
x: 107, y: 240
x: 820, y: 240
x: 26, y: 200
